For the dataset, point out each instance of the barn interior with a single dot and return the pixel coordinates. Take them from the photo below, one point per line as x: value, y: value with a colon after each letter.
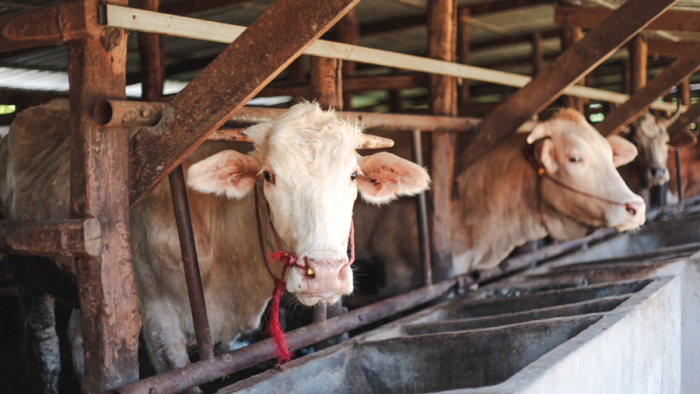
x: 545, y: 305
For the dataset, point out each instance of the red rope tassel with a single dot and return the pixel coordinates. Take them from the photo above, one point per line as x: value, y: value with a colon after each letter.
x: 275, y: 327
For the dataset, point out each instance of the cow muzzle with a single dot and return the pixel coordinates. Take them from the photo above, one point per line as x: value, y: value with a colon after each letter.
x: 326, y: 278
x: 657, y: 176
x: 628, y: 216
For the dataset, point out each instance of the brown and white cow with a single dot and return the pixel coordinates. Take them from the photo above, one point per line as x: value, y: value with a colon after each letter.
x: 497, y: 205
x: 304, y: 164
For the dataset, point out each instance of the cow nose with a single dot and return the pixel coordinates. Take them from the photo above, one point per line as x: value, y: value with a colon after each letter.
x: 634, y: 208
x: 326, y: 276
x: 657, y: 172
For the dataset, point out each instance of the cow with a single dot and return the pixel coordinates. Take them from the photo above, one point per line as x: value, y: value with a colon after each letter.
x: 307, y: 173
x: 496, y: 206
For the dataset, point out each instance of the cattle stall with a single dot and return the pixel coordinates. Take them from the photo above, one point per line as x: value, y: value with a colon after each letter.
x: 150, y: 81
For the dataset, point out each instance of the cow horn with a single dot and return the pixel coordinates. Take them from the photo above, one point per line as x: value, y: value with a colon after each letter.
x: 369, y: 141
x: 668, y: 122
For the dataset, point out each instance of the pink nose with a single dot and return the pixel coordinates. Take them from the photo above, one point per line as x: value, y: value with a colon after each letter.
x: 326, y: 277
x: 634, y: 208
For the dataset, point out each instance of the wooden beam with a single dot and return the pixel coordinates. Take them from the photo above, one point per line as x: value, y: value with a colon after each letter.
x: 139, y: 20
x: 537, y: 54
x: 588, y: 18
x: 24, y: 99
x: 564, y: 71
x: 98, y: 182
x: 236, y: 76
x: 638, y: 63
x: 47, y: 26
x: 683, y: 68
x: 443, y: 102
x: 58, y: 238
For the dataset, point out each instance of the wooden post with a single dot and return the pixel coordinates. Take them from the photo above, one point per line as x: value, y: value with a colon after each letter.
x: 348, y: 33
x: 638, y: 63
x: 463, y: 50
x: 326, y: 82
x: 537, y: 54
x: 152, y: 58
x: 99, y: 189
x: 443, y: 101
x: 570, y: 36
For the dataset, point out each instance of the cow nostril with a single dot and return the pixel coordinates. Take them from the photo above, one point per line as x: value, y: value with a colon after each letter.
x: 630, y: 210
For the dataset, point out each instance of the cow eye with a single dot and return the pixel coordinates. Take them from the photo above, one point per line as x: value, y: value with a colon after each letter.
x: 574, y: 159
x: 268, y: 176
x: 353, y: 176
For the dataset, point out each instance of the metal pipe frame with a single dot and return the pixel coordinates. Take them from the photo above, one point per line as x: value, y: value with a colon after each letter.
x: 422, y: 216
x: 190, y: 262
x: 141, y: 113
x: 201, y: 372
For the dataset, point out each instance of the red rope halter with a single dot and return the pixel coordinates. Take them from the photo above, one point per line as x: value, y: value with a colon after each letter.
x: 288, y: 260
x: 542, y: 174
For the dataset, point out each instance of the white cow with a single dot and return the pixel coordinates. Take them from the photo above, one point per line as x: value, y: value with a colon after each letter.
x: 497, y: 205
x: 304, y: 164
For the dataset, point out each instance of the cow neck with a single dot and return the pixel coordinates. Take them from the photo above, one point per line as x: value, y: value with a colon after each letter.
x: 288, y: 260
x: 542, y: 174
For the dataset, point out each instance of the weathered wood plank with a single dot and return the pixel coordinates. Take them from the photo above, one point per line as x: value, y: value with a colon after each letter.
x: 442, y: 89
x: 243, y: 69
x: 99, y: 189
x: 48, y: 26
x: 639, y: 55
x: 684, y: 67
x: 588, y: 18
x: 566, y: 70
x: 58, y: 238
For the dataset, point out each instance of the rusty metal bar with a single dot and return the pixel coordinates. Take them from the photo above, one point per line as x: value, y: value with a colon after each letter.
x: 55, y: 238
x: 319, y: 313
x: 48, y: 26
x: 522, y: 262
x: 422, y: 216
x: 225, y: 364
x: 140, y: 113
x: 195, y: 290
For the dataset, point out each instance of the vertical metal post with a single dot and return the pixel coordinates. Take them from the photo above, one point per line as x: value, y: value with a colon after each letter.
x: 678, y: 175
x: 195, y: 290
x: 422, y: 216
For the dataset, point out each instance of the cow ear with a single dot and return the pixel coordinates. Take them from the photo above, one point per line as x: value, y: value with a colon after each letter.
x: 385, y: 176
x: 623, y: 150
x: 541, y: 130
x: 228, y: 173
x: 544, y: 152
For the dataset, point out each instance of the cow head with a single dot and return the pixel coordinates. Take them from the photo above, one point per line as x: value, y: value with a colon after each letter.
x: 650, y: 135
x: 310, y: 171
x: 573, y: 152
